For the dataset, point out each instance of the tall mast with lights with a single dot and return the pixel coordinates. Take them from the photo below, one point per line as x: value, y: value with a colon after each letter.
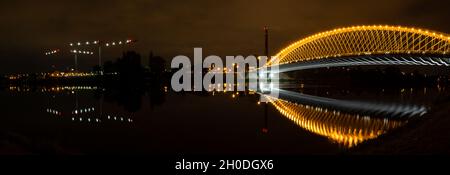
x: 266, y: 42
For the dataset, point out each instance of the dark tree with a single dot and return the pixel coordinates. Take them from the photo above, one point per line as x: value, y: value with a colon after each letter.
x: 157, y: 66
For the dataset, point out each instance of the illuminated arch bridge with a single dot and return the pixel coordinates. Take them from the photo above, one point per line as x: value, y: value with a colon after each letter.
x: 366, y: 45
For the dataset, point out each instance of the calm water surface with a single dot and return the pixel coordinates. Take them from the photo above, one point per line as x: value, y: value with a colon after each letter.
x: 305, y: 119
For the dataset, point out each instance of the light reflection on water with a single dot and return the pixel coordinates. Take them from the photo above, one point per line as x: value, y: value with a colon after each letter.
x: 345, y: 129
x: 79, y: 114
x: 343, y: 122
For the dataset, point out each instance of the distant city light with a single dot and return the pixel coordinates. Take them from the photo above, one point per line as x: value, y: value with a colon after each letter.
x: 107, y: 44
x: 82, y: 52
x: 52, y: 52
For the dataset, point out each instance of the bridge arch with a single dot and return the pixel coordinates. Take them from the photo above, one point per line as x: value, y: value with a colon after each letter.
x: 365, y: 41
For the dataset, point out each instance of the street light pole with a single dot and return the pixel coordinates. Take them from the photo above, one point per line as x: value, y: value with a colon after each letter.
x: 99, y: 43
x: 76, y: 52
x: 100, y: 59
x: 76, y: 62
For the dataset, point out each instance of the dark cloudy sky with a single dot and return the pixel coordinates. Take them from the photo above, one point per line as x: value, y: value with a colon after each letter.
x: 228, y: 27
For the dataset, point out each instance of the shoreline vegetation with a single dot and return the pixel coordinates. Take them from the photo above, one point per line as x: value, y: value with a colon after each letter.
x: 125, y: 71
x: 128, y: 69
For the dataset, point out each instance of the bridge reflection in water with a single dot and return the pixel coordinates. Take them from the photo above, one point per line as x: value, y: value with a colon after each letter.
x: 345, y: 129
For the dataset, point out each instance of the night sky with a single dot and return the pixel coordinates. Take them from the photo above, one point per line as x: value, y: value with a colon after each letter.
x: 228, y: 27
